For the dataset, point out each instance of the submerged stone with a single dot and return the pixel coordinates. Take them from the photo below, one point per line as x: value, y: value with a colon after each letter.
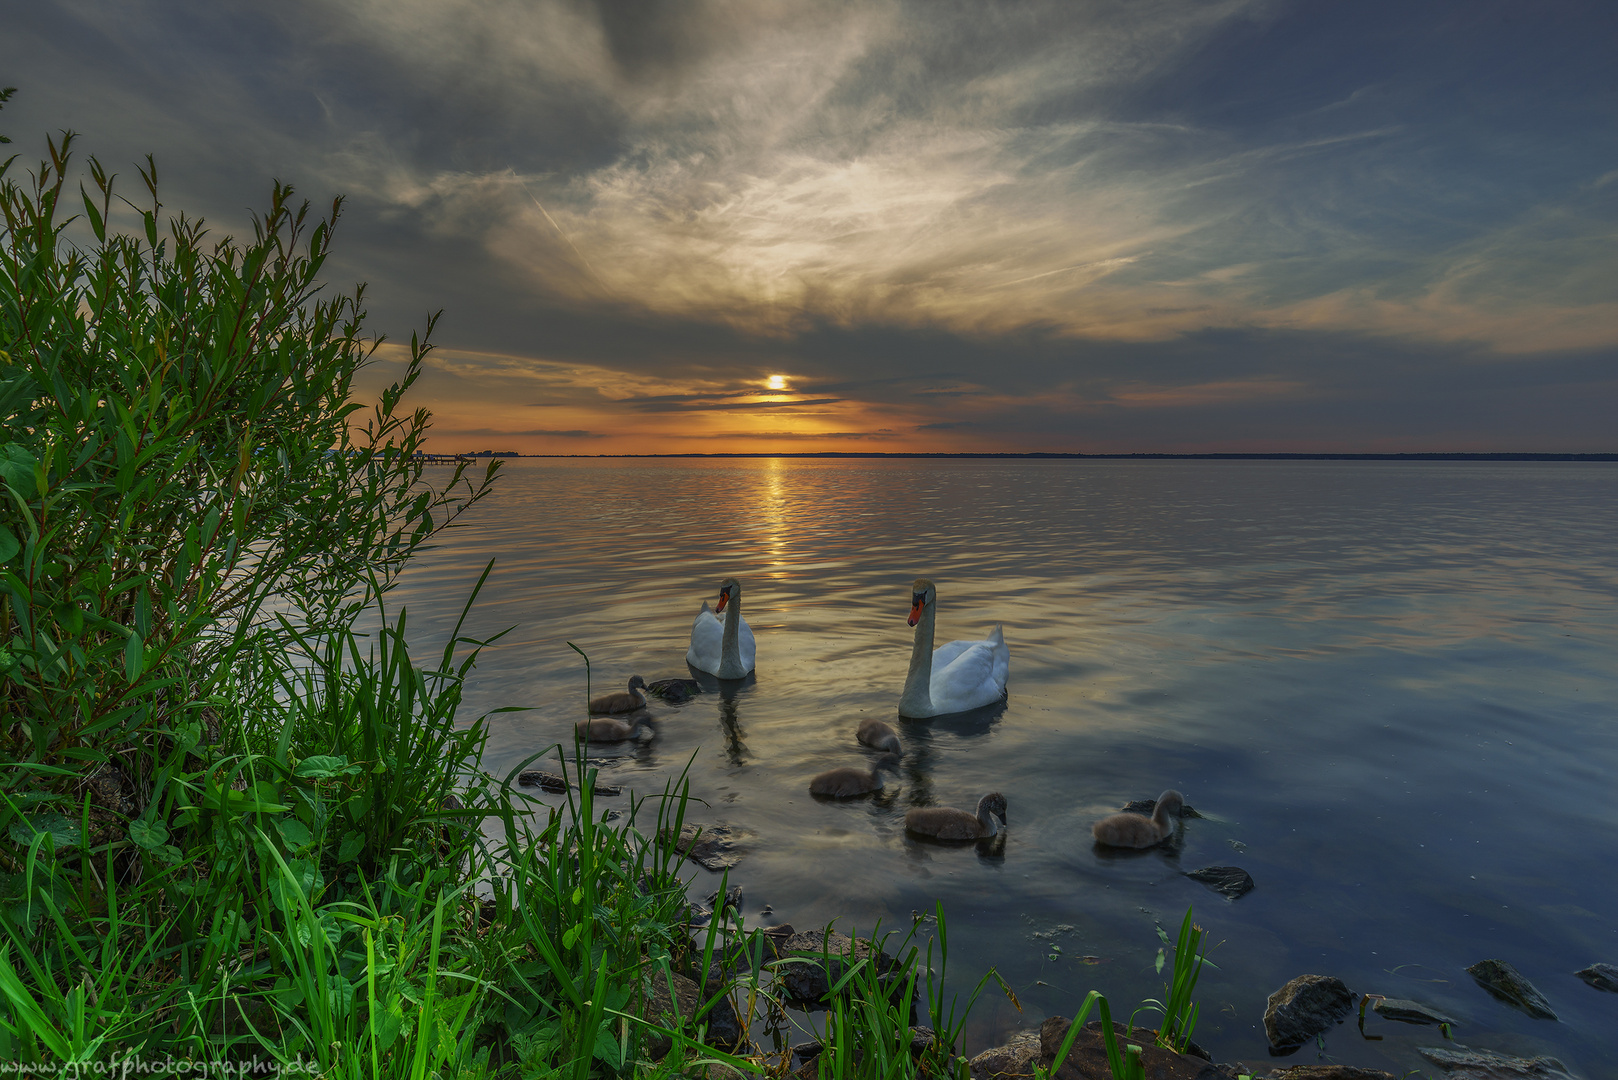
x: 1507, y: 983
x: 675, y: 691
x: 1147, y: 806
x: 1229, y: 881
x: 1601, y: 976
x: 1330, y: 1072
x: 711, y: 846
x: 557, y: 785
x: 1014, y: 1059
x: 1409, y: 1012
x: 1461, y: 1063
x: 1305, y: 1007
x: 813, y: 961
x: 724, y: 1029
x: 1087, y: 1058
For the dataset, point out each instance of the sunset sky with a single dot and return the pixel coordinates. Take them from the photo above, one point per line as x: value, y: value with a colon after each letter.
x: 1051, y: 225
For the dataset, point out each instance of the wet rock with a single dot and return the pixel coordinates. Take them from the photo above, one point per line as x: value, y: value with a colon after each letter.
x: 1087, y: 1059
x: 1507, y: 983
x: 710, y: 846
x: 807, y: 1054
x: 811, y: 962
x: 1408, y: 1012
x: 1147, y: 806
x: 557, y: 785
x: 675, y: 691
x: 1014, y: 1059
x: 1229, y: 881
x: 1461, y: 1063
x: 733, y: 898
x: 1330, y: 1072
x: 1304, y: 1008
x: 1601, y: 976
x: 724, y: 1030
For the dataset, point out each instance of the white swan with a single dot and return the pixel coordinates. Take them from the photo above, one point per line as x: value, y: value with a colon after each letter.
x: 961, y: 675
x: 722, y: 647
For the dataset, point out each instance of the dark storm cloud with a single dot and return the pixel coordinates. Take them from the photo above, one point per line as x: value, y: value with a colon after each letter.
x: 1140, y: 224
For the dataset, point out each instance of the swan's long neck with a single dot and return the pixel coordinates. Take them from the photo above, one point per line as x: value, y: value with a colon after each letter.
x: 917, y: 699
x: 986, y: 820
x: 730, y: 644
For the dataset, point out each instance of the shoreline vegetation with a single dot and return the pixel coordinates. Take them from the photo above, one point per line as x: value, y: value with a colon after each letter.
x: 237, y: 835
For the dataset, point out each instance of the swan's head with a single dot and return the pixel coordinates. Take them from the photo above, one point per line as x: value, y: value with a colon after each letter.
x: 729, y: 589
x: 993, y: 803
x: 922, y: 593
x: 1169, y: 804
x: 636, y: 683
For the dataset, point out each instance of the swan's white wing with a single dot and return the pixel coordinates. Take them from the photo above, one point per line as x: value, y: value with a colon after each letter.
x: 967, y: 682
x: 746, y: 645
x: 946, y: 653
x: 1002, y: 655
x: 707, y: 633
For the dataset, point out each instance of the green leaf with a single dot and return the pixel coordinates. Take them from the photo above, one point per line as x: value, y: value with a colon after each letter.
x: 134, y: 657
x: 150, y: 835
x: 570, y: 935
x: 294, y: 832
x: 61, y: 828
x: 353, y: 843
x: 9, y: 545
x: 324, y: 766
x: 1160, y: 961
x: 387, y: 1023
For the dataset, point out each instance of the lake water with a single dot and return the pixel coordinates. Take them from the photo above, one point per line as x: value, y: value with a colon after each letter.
x: 1389, y: 686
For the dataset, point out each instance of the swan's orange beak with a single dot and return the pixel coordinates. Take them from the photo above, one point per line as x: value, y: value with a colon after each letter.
x: 724, y: 597
x: 915, y: 611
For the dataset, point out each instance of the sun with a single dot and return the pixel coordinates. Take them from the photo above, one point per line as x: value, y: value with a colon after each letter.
x: 777, y: 382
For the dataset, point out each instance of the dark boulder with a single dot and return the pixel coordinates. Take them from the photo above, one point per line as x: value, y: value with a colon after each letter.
x: 1330, y: 1072
x: 1601, y: 976
x: 675, y: 691
x: 1305, y: 1007
x: 1087, y: 1058
x: 1507, y: 983
x: 724, y: 1030
x: 1229, y: 881
x: 557, y: 785
x: 1408, y: 1012
x: 1014, y: 1059
x: 1147, y: 806
x: 1461, y: 1063
x: 710, y: 846
x: 811, y: 962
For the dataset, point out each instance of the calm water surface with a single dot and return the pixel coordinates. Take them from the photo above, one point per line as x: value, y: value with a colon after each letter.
x: 1389, y: 686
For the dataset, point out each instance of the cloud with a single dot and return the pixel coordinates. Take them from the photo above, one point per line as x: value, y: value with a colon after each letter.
x: 1041, y: 225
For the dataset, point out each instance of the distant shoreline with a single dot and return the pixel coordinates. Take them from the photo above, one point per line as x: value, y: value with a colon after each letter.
x: 1104, y: 457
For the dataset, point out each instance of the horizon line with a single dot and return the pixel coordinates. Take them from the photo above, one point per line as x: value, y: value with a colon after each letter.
x: 1434, y: 455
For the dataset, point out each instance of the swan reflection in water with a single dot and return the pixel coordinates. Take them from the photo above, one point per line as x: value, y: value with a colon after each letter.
x: 730, y: 693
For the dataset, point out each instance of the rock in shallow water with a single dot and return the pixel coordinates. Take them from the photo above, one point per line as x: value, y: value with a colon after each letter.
x: 1229, y: 881
x: 557, y: 785
x: 1146, y: 806
x: 1330, y: 1072
x: 724, y: 1029
x: 1507, y: 983
x: 1087, y: 1059
x: 1011, y: 1061
x: 1304, y: 1008
x: 1408, y: 1012
x: 675, y: 691
x: 821, y: 960
x: 714, y: 848
x: 1461, y: 1063
x: 1601, y: 976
